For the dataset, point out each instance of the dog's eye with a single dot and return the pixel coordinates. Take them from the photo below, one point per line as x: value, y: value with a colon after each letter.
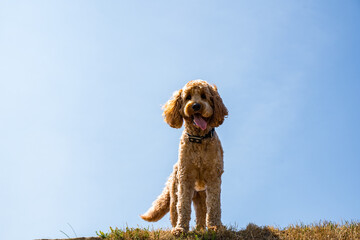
x: 203, y: 96
x: 188, y: 97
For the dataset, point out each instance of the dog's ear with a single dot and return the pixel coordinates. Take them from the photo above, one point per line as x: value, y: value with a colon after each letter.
x: 220, y: 111
x: 172, y: 108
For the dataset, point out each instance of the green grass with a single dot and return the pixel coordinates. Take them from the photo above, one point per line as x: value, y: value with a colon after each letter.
x: 321, y: 230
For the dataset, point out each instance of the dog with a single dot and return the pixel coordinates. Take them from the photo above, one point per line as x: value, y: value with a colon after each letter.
x: 196, y: 177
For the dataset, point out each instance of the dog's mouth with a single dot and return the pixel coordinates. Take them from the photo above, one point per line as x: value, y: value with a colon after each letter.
x: 200, y: 121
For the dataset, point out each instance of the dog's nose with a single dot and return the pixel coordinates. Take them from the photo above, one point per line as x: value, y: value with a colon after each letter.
x: 196, y: 106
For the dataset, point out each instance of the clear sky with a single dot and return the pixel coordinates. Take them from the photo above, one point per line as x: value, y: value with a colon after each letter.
x: 82, y: 139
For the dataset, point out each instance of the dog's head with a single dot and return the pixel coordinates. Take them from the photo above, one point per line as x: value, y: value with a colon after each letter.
x: 198, y: 102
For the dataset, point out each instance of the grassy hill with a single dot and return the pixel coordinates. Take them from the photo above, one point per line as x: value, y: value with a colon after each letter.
x: 322, y: 230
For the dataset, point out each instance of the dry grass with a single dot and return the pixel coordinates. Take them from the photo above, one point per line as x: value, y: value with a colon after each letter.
x: 322, y: 230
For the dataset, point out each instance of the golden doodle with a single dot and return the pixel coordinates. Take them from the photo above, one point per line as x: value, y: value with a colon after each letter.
x: 196, y: 177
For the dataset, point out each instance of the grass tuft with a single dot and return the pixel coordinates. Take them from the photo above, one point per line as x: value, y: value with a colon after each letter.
x: 321, y: 230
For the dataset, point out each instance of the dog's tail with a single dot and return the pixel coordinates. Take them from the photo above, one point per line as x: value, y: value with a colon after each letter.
x: 159, y: 208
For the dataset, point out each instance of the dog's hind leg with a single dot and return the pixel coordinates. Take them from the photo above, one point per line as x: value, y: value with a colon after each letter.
x: 199, y: 201
x: 173, y: 204
x: 173, y: 187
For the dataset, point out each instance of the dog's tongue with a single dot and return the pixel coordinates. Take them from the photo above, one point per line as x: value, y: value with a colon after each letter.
x: 200, y: 122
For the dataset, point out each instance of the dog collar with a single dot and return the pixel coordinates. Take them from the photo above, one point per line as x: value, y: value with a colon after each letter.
x: 198, y: 139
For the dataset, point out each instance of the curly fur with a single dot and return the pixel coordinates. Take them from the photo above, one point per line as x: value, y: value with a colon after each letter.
x: 196, y: 177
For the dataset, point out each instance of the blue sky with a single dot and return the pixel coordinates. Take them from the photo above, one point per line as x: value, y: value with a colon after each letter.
x: 82, y: 139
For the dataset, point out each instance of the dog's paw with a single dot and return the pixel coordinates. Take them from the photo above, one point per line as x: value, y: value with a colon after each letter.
x: 216, y: 228
x: 200, y: 227
x: 177, y: 231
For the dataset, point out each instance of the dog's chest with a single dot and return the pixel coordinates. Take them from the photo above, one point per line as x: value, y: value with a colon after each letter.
x: 205, y: 164
x: 204, y: 161
x: 201, y: 156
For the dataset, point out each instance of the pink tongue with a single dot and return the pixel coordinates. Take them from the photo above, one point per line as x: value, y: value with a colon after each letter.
x: 200, y: 122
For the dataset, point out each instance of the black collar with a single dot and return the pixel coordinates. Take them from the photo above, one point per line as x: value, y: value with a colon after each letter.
x: 198, y: 139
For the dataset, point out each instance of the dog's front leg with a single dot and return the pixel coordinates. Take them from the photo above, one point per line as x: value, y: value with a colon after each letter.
x: 213, y: 215
x: 185, y: 194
